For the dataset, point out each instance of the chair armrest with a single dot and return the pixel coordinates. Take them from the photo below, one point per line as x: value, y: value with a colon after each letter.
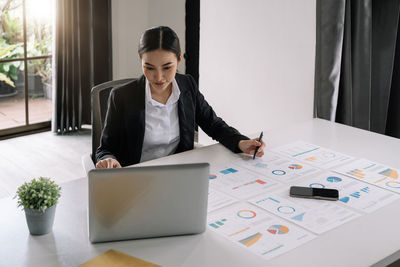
x: 87, y: 163
x: 197, y: 145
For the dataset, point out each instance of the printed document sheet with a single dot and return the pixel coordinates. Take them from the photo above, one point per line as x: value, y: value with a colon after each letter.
x: 312, y: 154
x: 373, y: 173
x: 276, y: 167
x: 238, y: 181
x: 352, y: 193
x: 249, y: 200
x: 257, y: 230
x: 316, y: 216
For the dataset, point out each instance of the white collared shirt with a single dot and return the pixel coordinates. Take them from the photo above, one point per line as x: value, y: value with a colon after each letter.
x: 161, y: 135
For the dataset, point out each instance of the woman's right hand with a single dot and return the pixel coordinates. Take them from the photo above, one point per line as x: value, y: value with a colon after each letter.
x: 108, y: 163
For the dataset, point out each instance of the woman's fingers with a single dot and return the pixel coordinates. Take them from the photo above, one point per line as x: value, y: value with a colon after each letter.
x: 250, y: 146
x: 100, y: 164
x: 108, y: 163
x: 255, y: 143
x: 117, y: 165
x: 260, y: 151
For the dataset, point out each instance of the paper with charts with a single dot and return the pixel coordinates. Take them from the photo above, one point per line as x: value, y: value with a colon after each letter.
x: 316, y: 216
x: 312, y: 154
x: 239, y: 182
x: 373, y: 173
x: 257, y: 230
x: 352, y: 193
x: 276, y: 167
x: 249, y: 200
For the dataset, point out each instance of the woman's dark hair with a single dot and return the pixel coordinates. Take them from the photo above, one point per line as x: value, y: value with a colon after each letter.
x: 161, y: 37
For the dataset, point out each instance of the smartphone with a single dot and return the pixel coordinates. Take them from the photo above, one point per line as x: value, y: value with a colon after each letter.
x: 309, y: 192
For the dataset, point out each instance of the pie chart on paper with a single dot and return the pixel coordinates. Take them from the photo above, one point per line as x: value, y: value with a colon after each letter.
x: 295, y: 166
x: 278, y: 229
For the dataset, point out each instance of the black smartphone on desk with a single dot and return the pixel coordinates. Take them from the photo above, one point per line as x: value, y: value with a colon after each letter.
x: 318, y: 193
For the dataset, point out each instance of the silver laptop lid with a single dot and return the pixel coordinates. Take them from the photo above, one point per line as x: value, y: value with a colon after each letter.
x: 150, y: 201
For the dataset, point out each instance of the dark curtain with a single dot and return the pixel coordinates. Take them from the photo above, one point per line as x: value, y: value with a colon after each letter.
x: 357, y: 64
x: 328, y: 55
x: 192, y: 40
x: 83, y: 58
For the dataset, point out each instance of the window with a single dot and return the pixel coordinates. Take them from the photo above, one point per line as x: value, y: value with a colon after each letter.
x: 26, y: 42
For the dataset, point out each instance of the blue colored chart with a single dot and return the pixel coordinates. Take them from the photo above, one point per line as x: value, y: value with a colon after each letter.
x: 228, y: 171
x: 286, y: 209
x: 261, y: 165
x: 278, y: 172
x: 298, y: 217
x: 333, y: 179
x: 218, y: 224
x: 344, y: 199
x: 365, y: 189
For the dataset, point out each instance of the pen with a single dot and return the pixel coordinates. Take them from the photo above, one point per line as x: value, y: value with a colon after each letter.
x: 259, y: 140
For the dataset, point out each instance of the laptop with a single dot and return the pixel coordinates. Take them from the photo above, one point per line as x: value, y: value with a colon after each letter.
x: 150, y: 201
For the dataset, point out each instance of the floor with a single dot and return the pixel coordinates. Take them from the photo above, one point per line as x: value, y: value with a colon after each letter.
x: 42, y: 154
x: 12, y: 110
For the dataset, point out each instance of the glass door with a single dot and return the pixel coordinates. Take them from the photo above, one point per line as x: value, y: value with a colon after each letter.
x: 26, y: 43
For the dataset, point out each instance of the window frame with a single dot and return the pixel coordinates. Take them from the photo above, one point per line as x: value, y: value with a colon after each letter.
x: 27, y: 128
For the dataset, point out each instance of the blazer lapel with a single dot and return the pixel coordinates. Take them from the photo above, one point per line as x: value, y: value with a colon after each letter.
x: 136, y: 120
x: 186, y: 117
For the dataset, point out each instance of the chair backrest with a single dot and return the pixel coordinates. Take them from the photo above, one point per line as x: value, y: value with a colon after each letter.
x: 99, y: 95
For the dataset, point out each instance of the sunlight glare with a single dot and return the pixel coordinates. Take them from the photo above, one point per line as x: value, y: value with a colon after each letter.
x: 40, y: 10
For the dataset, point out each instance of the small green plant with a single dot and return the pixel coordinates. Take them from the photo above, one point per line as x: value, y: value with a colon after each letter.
x: 38, y: 194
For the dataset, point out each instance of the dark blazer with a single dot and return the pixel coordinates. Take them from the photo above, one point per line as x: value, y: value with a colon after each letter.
x: 123, y: 132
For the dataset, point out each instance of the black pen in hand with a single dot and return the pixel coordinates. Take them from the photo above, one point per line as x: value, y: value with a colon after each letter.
x: 259, y: 140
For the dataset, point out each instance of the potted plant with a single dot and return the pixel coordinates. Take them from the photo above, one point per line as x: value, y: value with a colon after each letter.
x: 39, y: 198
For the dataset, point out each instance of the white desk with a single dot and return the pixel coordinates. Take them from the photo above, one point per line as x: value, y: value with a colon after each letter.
x: 372, y: 238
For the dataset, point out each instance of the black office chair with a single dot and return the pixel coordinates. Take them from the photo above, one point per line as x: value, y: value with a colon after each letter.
x: 99, y: 95
x: 99, y: 99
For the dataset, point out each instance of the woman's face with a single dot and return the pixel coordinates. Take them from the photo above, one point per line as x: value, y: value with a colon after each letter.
x: 159, y: 67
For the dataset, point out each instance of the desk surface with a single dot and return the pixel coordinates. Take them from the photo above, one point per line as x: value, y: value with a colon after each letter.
x: 372, y: 238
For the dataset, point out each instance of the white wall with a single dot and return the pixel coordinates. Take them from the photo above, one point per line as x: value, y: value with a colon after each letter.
x: 170, y: 13
x: 257, y: 62
x: 130, y: 18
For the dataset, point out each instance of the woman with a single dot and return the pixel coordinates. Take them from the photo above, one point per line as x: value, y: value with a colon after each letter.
x: 155, y: 115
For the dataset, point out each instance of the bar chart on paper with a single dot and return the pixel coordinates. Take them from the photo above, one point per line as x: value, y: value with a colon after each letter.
x: 373, y: 173
x: 239, y: 182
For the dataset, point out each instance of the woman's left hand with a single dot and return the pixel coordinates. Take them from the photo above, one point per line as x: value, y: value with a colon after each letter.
x: 249, y: 146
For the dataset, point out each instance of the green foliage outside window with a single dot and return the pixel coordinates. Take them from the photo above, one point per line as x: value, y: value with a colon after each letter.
x: 39, y: 43
x: 9, y: 70
x: 11, y: 46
